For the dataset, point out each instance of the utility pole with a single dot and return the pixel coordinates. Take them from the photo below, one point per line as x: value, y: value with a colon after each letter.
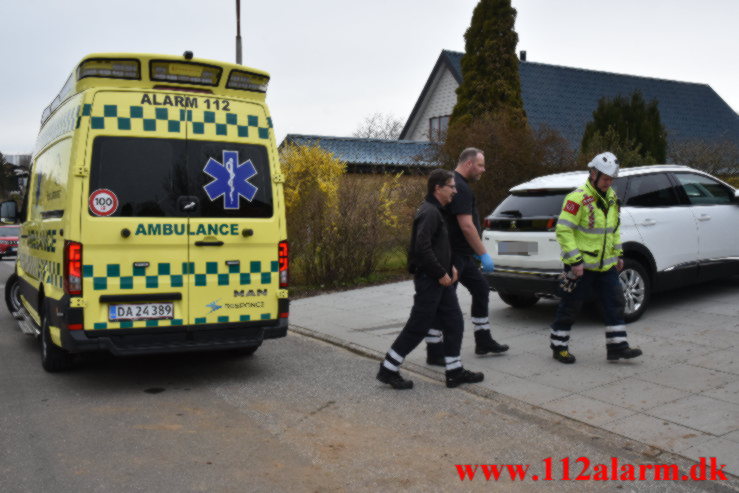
x: 238, y: 32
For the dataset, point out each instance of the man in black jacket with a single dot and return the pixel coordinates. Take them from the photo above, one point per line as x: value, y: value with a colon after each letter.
x: 430, y: 260
x: 464, y: 235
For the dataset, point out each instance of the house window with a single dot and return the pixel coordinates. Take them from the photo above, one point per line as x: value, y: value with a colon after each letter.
x: 437, y: 127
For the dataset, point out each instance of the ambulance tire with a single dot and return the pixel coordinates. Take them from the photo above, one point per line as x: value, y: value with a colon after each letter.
x: 13, y: 294
x: 245, y: 352
x: 53, y: 358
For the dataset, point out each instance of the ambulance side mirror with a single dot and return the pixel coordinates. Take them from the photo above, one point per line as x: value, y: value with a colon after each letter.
x: 9, y: 212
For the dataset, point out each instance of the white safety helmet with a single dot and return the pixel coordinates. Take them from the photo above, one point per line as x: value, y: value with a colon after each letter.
x: 606, y: 163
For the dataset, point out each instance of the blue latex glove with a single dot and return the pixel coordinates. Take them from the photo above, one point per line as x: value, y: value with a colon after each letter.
x: 487, y: 262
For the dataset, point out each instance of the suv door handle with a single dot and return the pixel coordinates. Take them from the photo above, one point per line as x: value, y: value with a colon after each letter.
x: 209, y: 243
x: 704, y: 217
x: 648, y: 222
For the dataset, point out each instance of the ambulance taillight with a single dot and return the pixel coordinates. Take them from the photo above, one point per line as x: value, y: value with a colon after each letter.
x: 73, y: 268
x: 282, y: 256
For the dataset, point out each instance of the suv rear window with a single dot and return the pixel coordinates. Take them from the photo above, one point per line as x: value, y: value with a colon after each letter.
x: 158, y: 177
x: 540, y: 204
x: 532, y: 210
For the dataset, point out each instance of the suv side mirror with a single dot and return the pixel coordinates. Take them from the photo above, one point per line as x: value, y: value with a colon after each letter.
x: 9, y: 212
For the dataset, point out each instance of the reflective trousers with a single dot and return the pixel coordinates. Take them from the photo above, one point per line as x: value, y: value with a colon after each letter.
x: 607, y: 290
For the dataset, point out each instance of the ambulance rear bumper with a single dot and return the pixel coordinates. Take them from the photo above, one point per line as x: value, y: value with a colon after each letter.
x: 178, y: 339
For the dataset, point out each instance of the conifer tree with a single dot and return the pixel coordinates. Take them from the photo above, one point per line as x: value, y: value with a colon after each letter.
x: 629, y: 123
x: 490, y: 79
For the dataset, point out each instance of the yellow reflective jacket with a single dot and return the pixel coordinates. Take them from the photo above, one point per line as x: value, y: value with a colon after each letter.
x: 588, y: 228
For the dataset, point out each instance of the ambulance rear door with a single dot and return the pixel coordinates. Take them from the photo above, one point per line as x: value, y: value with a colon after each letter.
x: 134, y: 233
x: 234, y: 231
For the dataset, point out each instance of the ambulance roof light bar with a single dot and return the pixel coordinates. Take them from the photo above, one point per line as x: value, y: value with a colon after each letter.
x: 112, y: 68
x: 240, y: 79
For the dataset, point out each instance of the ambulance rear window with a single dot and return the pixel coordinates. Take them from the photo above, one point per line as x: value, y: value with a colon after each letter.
x: 142, y: 177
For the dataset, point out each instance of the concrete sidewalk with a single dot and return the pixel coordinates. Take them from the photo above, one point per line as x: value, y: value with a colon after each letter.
x: 681, y: 396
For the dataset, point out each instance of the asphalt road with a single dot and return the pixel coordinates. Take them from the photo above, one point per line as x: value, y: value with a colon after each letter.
x: 299, y: 415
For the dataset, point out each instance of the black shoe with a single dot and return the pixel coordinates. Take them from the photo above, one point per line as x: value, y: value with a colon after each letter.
x: 625, y: 352
x: 563, y: 355
x: 484, y: 343
x: 435, y: 354
x: 459, y: 376
x: 393, y: 379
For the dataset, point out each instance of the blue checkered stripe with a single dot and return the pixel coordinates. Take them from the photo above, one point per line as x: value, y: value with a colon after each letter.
x: 152, y: 119
x: 169, y: 275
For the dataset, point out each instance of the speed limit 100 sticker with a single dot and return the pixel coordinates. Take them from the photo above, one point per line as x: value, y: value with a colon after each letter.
x: 103, y: 202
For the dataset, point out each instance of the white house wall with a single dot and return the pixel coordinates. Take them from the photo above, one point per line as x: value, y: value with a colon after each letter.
x: 439, y: 101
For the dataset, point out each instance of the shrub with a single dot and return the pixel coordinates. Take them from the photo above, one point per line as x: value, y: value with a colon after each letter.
x: 513, y: 154
x: 339, y: 226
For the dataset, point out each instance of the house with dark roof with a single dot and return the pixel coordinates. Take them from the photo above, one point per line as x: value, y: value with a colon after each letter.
x: 564, y: 99
x: 373, y: 155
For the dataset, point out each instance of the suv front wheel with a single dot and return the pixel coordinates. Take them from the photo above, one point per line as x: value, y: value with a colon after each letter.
x: 636, y: 285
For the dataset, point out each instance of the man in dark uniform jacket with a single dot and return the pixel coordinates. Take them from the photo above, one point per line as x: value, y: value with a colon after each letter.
x: 430, y: 261
x: 464, y: 234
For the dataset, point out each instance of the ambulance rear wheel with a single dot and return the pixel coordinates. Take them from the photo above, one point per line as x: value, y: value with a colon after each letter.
x: 53, y: 358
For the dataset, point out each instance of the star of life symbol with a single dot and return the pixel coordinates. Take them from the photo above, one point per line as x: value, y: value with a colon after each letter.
x: 230, y: 179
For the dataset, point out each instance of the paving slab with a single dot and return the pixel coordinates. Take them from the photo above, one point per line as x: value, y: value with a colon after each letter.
x: 688, y: 378
x: 636, y: 394
x: 700, y: 413
x: 724, y: 451
x: 682, y: 395
x: 591, y: 411
x: 658, y: 432
x: 728, y: 393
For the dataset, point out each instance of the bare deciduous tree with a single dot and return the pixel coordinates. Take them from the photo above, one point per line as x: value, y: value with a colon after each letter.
x: 380, y: 126
x: 712, y: 156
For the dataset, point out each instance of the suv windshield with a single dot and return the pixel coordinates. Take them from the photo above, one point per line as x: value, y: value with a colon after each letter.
x: 182, y: 178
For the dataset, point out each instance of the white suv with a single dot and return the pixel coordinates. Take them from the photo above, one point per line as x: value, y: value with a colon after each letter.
x: 679, y: 226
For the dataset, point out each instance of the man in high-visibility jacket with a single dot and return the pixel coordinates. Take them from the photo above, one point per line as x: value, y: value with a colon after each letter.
x: 588, y: 234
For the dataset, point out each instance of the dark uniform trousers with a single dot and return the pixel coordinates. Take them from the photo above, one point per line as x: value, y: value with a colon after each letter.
x: 434, y: 305
x: 471, y: 277
x: 607, y: 288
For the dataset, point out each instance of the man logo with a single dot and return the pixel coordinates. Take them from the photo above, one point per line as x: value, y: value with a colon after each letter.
x: 513, y: 225
x: 249, y: 292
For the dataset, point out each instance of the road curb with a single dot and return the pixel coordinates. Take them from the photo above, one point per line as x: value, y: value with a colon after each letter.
x: 537, y: 414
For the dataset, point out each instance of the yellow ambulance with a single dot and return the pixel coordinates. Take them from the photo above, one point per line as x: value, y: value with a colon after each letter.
x: 154, y: 219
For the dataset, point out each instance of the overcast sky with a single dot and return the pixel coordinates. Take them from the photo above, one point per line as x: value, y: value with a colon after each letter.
x: 333, y: 62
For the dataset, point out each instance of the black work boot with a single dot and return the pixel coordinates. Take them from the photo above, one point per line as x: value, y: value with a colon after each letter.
x: 624, y: 352
x: 458, y: 376
x: 435, y: 354
x: 393, y: 379
x: 563, y: 355
x: 484, y: 343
